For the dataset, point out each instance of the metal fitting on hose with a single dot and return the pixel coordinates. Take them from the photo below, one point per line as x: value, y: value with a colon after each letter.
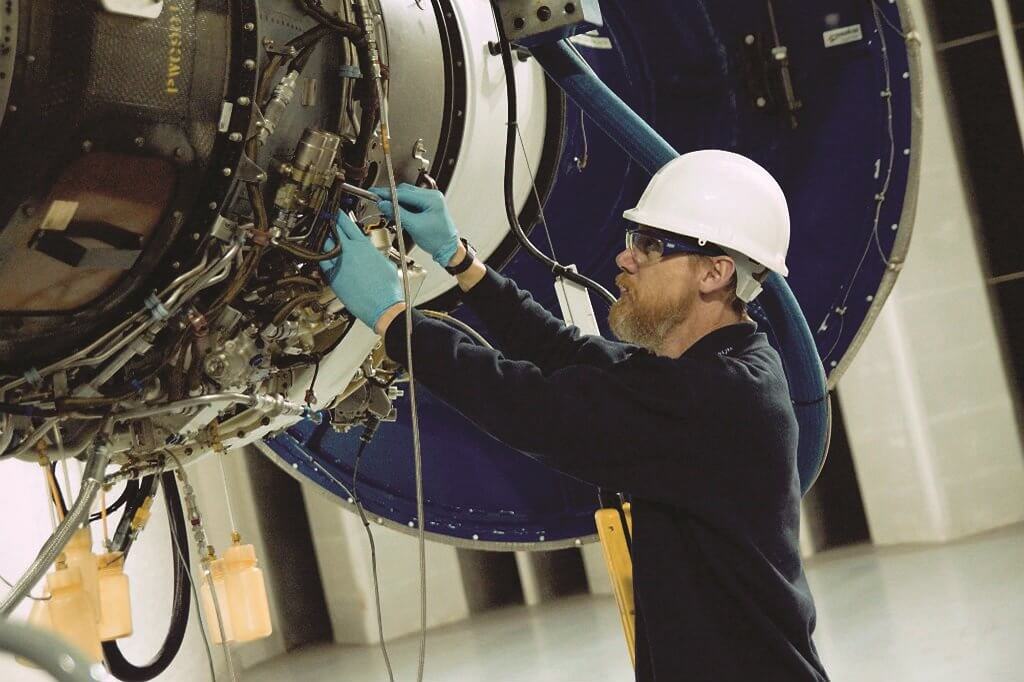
x: 283, y: 94
x: 277, y: 404
x: 92, y: 481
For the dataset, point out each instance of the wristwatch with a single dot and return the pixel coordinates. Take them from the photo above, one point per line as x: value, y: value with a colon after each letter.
x: 463, y: 264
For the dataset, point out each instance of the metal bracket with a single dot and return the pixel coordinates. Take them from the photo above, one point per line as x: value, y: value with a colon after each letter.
x: 542, y: 21
x: 250, y: 171
x: 271, y: 47
x: 143, y: 9
x: 224, y: 229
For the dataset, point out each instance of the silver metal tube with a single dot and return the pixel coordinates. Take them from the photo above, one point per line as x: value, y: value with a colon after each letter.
x: 92, y: 481
x: 133, y: 472
x: 265, y: 403
x: 71, y: 360
x: 184, y: 294
x: 187, y: 403
x: 53, y: 654
x: 360, y: 192
x: 32, y: 438
x: 186, y: 276
x: 173, y: 303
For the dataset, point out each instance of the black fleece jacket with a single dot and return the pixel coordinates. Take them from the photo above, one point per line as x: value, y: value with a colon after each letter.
x: 705, y: 445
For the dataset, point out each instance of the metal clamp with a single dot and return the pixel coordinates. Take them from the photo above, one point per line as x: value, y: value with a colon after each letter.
x: 156, y: 308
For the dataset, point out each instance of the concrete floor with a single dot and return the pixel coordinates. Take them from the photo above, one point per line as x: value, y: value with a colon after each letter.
x: 953, y: 612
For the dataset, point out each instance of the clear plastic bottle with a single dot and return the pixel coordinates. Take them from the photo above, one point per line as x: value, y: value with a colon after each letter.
x: 216, y: 568
x: 115, y: 598
x: 78, y: 554
x: 247, y: 594
x: 71, y: 611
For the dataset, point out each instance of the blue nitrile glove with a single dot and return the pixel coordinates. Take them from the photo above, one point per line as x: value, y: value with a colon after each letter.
x: 425, y: 217
x: 361, y: 277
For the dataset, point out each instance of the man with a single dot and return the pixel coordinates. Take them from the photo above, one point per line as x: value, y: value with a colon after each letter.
x: 692, y: 419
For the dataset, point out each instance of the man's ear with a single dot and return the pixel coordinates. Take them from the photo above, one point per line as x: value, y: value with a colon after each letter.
x: 718, y: 273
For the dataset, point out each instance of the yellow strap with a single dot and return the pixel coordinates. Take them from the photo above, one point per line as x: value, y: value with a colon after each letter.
x: 620, y: 569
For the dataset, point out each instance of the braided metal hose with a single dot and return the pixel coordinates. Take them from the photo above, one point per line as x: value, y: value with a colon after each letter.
x: 92, y: 481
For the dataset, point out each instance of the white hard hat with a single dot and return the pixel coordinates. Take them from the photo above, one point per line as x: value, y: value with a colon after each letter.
x: 726, y: 199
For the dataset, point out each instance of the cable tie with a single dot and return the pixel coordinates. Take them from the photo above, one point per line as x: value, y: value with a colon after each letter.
x: 33, y: 377
x: 156, y: 308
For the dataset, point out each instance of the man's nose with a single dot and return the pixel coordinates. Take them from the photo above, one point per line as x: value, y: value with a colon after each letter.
x: 626, y: 262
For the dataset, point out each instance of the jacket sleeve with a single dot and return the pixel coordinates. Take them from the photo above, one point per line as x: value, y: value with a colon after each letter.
x: 569, y: 419
x: 523, y: 329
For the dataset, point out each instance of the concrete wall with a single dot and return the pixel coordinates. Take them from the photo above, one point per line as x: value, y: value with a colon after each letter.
x: 342, y: 551
x: 928, y: 405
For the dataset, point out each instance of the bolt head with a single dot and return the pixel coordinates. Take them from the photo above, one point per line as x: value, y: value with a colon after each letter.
x: 249, y: 64
x: 249, y: 26
x: 749, y: 39
x: 87, y: 146
x: 761, y: 102
x: 244, y: 101
x: 140, y: 141
x: 226, y: 172
x: 235, y: 137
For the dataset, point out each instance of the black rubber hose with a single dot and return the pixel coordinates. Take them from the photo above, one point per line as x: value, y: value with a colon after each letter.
x: 121, y: 667
x: 123, y: 536
x: 131, y: 489
x: 556, y: 268
x: 369, y: 111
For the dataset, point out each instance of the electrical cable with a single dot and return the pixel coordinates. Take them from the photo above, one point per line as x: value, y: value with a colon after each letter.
x: 199, y: 610
x: 875, y: 239
x: 385, y: 140
x: 556, y: 268
x: 57, y: 494
x: 460, y: 325
x: 369, y: 431
x: 131, y: 487
x: 227, y: 493
x: 204, y: 549
x: 124, y: 535
x: 294, y: 304
x: 364, y: 440
x: 307, y: 255
x: 7, y: 582
x: 413, y: 404
x: 121, y: 667
x: 536, y: 193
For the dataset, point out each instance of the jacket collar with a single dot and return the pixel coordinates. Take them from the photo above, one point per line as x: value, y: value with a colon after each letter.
x: 724, y: 341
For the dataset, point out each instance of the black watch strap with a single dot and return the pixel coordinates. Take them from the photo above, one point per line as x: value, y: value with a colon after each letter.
x: 464, y: 264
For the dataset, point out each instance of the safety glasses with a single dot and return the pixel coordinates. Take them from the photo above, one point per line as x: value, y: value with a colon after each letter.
x: 648, y: 246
